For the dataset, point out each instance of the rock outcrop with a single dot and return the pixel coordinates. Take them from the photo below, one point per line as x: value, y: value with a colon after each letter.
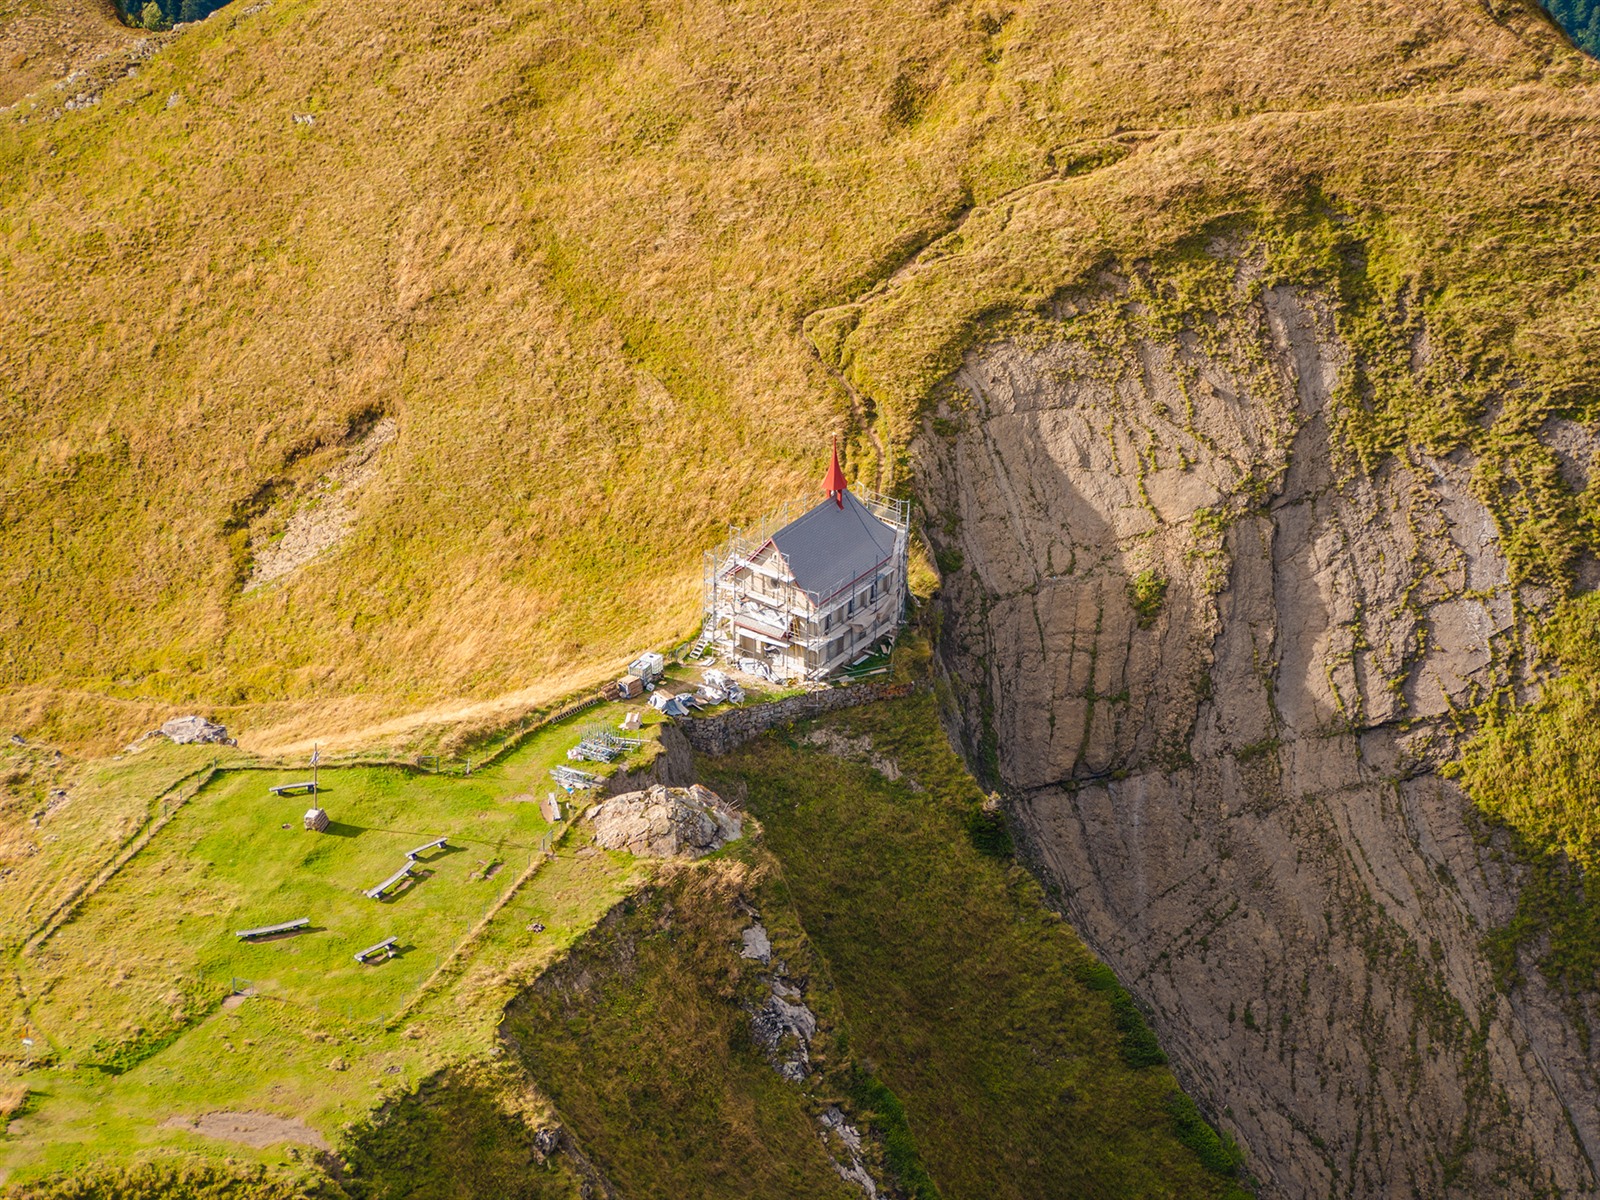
x: 666, y: 822
x: 844, y: 1150
x: 318, y: 521
x: 1213, y: 667
x: 187, y: 731
x: 784, y: 1027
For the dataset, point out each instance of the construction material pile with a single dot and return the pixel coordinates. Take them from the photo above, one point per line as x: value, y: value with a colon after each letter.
x: 719, y: 687
x: 601, y: 745
x: 674, y: 706
x: 573, y: 779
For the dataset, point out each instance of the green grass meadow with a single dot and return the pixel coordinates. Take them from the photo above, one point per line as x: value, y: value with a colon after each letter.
x: 226, y: 862
x: 130, y: 1000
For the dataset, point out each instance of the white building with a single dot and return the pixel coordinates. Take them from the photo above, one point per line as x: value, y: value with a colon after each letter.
x: 808, y: 592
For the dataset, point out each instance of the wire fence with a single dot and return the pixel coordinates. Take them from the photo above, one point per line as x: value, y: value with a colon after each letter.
x: 466, y: 765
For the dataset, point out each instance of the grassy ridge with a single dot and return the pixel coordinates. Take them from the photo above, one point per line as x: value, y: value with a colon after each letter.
x: 992, y: 1023
x: 458, y: 1137
x: 1463, y: 258
x: 642, y: 1038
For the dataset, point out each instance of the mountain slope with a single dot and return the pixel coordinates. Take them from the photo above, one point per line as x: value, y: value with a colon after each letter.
x: 573, y: 268
x: 45, y: 42
x: 1243, y: 359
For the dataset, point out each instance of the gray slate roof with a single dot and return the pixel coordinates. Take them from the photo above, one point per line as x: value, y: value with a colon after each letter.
x: 829, y: 546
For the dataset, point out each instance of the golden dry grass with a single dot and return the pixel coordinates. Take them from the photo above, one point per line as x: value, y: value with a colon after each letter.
x: 12, y: 1098
x: 572, y: 249
x: 44, y: 41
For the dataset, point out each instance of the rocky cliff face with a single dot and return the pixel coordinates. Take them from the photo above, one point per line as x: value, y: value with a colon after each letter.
x: 1213, y: 666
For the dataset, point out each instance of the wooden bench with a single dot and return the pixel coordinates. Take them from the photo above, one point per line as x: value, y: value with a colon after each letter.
x: 284, y: 789
x: 411, y: 855
x: 269, y: 930
x: 385, y: 947
x: 377, y: 892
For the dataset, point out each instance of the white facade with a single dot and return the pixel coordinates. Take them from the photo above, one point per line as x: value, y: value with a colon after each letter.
x: 810, y: 593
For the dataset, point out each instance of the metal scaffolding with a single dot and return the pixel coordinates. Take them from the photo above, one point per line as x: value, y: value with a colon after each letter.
x: 752, y: 601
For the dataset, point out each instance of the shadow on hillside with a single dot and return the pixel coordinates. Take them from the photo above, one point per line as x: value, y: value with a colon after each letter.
x: 439, y: 852
x: 405, y: 887
x: 287, y: 935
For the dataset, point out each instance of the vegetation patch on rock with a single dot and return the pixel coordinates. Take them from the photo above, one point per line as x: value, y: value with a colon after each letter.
x: 649, y: 1040
x: 973, y: 1001
x: 1536, y: 767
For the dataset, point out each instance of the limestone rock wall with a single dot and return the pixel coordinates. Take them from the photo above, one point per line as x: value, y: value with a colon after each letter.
x: 1211, y: 665
x: 672, y: 767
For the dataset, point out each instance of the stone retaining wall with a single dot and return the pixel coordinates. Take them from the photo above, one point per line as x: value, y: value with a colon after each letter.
x: 732, y: 729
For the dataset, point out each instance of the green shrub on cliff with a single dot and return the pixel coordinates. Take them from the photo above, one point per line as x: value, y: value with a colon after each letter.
x: 1147, y: 592
x: 1537, y: 767
x: 1581, y: 21
x: 1218, y: 1151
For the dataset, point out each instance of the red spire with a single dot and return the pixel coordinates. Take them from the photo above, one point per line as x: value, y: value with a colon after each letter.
x: 834, y: 484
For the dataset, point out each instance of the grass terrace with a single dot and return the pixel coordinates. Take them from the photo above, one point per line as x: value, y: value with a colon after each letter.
x: 235, y: 858
x: 146, y: 1009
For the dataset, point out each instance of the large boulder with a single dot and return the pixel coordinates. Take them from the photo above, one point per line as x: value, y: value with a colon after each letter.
x: 187, y: 730
x: 666, y: 822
